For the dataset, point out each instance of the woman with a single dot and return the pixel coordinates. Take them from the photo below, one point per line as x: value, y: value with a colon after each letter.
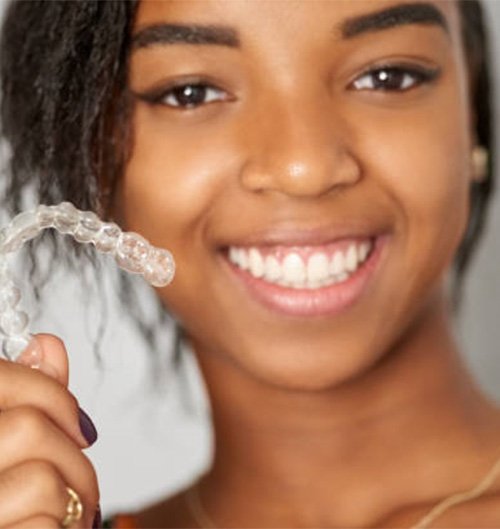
x: 316, y: 168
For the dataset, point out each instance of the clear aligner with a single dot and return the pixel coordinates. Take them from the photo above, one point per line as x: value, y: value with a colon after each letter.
x: 131, y: 252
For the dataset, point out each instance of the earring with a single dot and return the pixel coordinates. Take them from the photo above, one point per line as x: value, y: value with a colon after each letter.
x: 480, y: 160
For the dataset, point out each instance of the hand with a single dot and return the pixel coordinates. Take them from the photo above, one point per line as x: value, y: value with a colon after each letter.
x: 42, y: 433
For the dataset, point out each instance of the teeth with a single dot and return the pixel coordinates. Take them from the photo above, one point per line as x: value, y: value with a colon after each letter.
x: 363, y: 251
x: 242, y: 259
x: 272, y: 268
x: 337, y: 264
x: 255, y: 263
x: 320, y: 270
x: 234, y: 255
x: 317, y: 268
x: 351, y: 258
x: 294, y: 269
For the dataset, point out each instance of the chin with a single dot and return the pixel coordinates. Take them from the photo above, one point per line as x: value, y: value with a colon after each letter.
x: 294, y: 363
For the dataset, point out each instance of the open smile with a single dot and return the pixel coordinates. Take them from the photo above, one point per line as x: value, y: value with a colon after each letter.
x: 307, y: 280
x: 308, y: 267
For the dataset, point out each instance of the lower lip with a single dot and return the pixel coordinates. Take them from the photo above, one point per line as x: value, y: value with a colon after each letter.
x: 326, y: 301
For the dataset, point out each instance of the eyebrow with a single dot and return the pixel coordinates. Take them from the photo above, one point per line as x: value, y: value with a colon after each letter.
x: 395, y: 16
x: 216, y: 35
x: 185, y: 34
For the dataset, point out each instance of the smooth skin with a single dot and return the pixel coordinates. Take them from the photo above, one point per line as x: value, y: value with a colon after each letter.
x: 365, y: 418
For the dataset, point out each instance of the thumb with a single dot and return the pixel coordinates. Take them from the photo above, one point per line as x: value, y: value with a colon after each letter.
x: 47, y: 353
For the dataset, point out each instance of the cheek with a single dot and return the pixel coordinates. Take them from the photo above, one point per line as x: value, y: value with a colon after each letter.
x: 172, y: 180
x: 422, y: 163
x: 433, y: 197
x: 428, y: 179
x: 172, y: 188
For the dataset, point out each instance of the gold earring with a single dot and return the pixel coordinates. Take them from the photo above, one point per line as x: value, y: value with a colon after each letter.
x: 480, y: 160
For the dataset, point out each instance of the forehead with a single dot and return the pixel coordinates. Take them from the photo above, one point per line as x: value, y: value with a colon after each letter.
x: 272, y: 18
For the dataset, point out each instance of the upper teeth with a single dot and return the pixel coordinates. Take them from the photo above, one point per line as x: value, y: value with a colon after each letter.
x: 318, y: 270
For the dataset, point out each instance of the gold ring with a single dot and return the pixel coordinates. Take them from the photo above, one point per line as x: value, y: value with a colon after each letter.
x: 74, y: 509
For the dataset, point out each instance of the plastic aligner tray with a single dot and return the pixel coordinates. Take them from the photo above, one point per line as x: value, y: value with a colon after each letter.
x: 131, y: 252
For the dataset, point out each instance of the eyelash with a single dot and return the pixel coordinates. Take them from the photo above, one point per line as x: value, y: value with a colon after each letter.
x: 408, y: 77
x: 178, y: 91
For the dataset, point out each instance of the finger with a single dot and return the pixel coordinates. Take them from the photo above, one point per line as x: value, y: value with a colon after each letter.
x: 31, y: 488
x: 47, y: 353
x: 35, y: 522
x: 21, y: 387
x: 26, y: 434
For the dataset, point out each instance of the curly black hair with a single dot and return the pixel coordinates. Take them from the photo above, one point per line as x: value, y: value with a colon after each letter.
x: 65, y: 111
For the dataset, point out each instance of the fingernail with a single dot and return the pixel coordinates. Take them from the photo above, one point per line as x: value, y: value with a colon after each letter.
x: 32, y: 356
x: 97, y: 519
x: 87, y: 427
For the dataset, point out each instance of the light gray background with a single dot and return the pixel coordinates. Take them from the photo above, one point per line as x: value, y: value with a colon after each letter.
x: 148, y: 445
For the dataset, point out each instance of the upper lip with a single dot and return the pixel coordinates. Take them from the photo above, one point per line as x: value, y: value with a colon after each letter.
x: 290, y: 235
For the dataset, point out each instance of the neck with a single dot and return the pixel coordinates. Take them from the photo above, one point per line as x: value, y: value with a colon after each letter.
x: 297, y: 456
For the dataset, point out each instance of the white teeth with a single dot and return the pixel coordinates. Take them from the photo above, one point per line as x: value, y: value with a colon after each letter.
x: 319, y: 271
x: 351, y: 258
x: 337, y: 264
x: 317, y: 268
x: 294, y: 270
x: 234, y: 255
x: 255, y: 263
x: 342, y: 277
x: 363, y: 251
x: 272, y: 268
x: 242, y: 259
x: 314, y: 284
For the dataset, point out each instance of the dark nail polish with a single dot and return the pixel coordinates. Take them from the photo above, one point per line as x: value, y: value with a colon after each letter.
x: 97, y: 519
x: 87, y: 427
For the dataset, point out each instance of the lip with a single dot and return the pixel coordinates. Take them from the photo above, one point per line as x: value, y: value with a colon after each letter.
x: 292, y: 235
x: 326, y: 301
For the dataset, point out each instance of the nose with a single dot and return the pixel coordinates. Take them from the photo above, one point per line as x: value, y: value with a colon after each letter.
x: 298, y: 151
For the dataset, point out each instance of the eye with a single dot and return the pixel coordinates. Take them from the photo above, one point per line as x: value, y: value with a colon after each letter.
x: 394, y: 78
x: 190, y: 95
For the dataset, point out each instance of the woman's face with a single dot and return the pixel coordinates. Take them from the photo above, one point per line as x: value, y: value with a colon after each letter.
x: 308, y: 165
